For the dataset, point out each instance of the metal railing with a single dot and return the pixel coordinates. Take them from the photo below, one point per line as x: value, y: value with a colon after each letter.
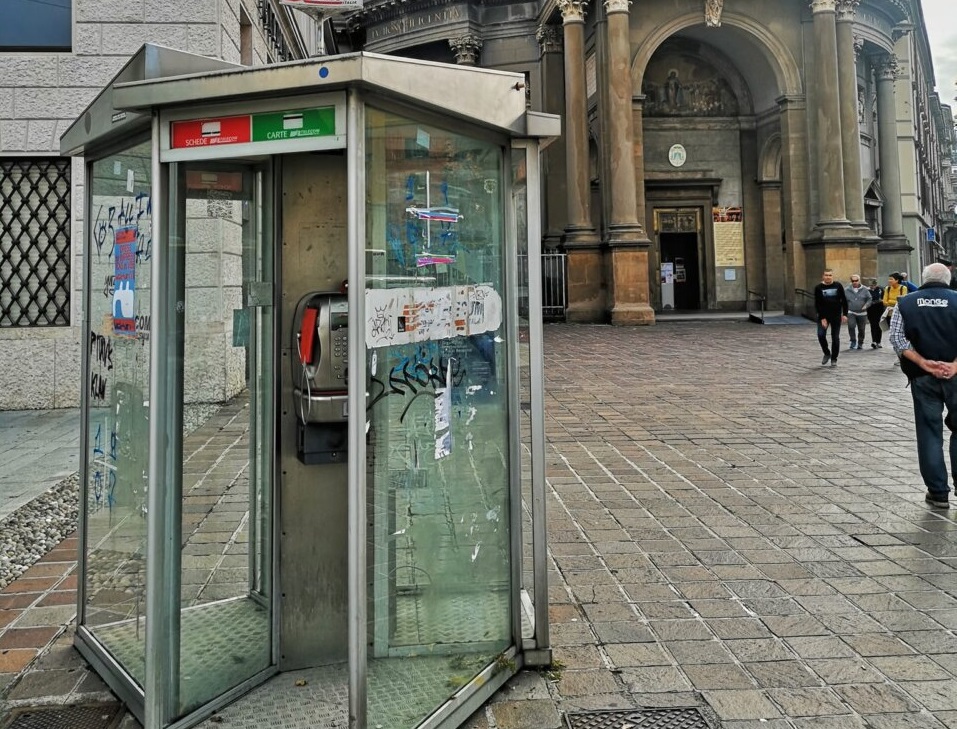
x: 554, y: 285
x: 807, y: 308
x: 756, y: 297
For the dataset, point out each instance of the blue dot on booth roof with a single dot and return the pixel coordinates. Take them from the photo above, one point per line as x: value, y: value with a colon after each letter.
x: 323, y: 72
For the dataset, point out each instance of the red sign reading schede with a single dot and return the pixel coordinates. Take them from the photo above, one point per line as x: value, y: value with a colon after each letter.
x: 210, y: 132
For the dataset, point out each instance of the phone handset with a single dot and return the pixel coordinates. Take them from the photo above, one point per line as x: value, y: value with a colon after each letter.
x: 309, y: 343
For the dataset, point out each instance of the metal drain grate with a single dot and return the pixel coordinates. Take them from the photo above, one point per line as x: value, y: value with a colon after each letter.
x: 684, y: 718
x: 89, y: 716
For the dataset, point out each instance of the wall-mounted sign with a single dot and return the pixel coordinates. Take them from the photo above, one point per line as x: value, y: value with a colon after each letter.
x: 271, y: 127
x: 327, y: 5
x: 677, y: 155
x: 246, y: 129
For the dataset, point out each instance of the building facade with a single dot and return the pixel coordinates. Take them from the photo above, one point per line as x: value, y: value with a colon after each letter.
x: 54, y: 58
x: 714, y: 151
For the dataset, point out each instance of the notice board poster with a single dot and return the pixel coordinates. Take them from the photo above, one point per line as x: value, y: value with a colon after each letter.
x: 728, y: 237
x: 124, y: 278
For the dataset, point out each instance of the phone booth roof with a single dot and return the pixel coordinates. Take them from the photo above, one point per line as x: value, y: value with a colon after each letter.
x: 158, y: 77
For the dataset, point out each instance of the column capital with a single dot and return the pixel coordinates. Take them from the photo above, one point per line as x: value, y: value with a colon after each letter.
x: 549, y: 37
x: 617, y: 6
x: 466, y: 48
x: 888, y: 68
x: 573, y: 11
x: 823, y: 6
x: 846, y: 10
x: 712, y: 13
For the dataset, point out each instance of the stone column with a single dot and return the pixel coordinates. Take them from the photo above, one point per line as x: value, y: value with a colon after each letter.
x: 892, y: 216
x: 555, y: 196
x: 830, y: 156
x: 466, y: 49
x: 586, y: 291
x: 628, y: 244
x: 850, y: 125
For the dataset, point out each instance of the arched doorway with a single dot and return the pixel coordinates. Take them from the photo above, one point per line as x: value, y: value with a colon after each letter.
x: 721, y: 108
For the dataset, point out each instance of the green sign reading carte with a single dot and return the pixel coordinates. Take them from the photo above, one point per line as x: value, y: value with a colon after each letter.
x: 294, y: 124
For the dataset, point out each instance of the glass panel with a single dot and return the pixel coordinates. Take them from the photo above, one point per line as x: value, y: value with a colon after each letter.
x: 438, y: 478
x: 225, y: 625
x: 118, y: 261
x: 520, y: 216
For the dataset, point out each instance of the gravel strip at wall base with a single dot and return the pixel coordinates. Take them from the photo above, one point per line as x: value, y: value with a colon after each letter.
x: 37, y: 527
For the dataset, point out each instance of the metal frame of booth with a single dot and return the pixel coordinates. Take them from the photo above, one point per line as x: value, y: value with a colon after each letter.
x: 157, y: 89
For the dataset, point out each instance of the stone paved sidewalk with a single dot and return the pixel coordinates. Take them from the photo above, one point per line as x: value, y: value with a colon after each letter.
x: 731, y: 526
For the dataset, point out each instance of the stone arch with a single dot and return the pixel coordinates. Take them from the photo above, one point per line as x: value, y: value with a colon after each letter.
x: 779, y: 58
x: 769, y: 161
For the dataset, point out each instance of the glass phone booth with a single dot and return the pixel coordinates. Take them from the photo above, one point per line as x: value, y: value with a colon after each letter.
x: 313, y: 450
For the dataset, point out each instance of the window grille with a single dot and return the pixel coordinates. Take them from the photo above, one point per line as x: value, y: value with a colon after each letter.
x: 34, y: 242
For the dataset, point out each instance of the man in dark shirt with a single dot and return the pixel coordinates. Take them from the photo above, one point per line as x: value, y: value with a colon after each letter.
x: 923, y: 331
x: 831, y: 305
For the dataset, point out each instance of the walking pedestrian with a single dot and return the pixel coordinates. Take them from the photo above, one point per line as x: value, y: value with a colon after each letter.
x: 831, y: 304
x: 909, y: 285
x: 874, y: 312
x: 892, y: 292
x: 924, y: 334
x: 858, y: 301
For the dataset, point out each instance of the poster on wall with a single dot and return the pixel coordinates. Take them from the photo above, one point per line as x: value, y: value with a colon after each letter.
x: 124, y: 281
x: 728, y: 237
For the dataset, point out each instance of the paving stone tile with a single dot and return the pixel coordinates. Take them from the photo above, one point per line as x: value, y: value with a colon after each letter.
x: 905, y: 620
x: 741, y: 704
x: 794, y: 625
x: 808, y: 701
x: 38, y: 684
x: 765, y: 649
x: 874, y: 698
x: 930, y: 641
x: 671, y: 610
x: 623, y: 632
x: 654, y: 679
x: 609, y: 612
x: 834, y: 671
x: 718, y: 676
x: 738, y: 628
x: 536, y: 714
x: 636, y: 654
x: 878, y: 644
x: 819, y: 647
x: 718, y: 608
x: 578, y: 656
x: 587, y: 682
x: 669, y: 630
x: 921, y: 720
x: 782, y: 674
x: 932, y: 695
x: 691, y: 652
x: 909, y: 668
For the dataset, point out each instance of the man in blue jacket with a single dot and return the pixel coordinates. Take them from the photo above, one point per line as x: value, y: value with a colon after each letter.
x: 923, y: 332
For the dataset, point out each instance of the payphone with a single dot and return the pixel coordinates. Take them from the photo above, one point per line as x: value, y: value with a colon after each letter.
x: 321, y: 377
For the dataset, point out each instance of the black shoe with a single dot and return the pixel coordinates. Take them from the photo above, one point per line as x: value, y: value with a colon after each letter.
x: 940, y: 503
x: 879, y: 346
x: 860, y: 345
x: 874, y: 345
x: 827, y: 358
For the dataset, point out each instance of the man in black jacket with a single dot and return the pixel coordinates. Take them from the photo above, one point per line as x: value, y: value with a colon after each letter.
x: 831, y: 304
x: 923, y: 332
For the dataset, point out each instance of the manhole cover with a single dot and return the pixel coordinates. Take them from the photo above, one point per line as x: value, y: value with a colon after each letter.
x: 684, y: 718
x: 90, y: 716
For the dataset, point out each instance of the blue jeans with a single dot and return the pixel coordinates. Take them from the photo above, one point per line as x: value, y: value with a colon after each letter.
x: 930, y: 397
x: 835, y: 328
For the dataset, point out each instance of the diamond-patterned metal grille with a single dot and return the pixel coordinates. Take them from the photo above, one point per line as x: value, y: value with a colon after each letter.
x: 34, y: 242
x: 95, y: 716
x: 682, y: 718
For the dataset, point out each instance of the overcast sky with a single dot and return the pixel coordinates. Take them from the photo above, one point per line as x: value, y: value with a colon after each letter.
x: 941, y: 19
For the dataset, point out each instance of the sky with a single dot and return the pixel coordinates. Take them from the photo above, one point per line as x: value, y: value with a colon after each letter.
x: 941, y: 23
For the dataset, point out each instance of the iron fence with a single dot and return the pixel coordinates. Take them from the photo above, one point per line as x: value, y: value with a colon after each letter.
x: 554, y: 289
x: 34, y: 242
